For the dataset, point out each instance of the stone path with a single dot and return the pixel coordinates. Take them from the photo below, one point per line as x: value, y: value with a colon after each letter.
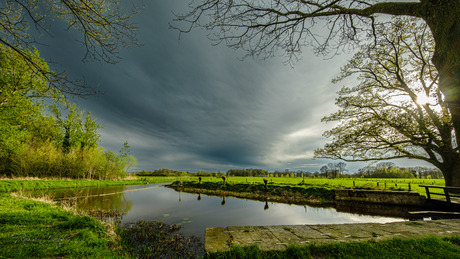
x: 279, y: 237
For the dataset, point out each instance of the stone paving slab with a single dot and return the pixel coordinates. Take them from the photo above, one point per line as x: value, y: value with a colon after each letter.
x: 279, y: 237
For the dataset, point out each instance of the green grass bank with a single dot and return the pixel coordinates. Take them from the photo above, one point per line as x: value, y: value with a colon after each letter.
x: 273, y: 193
x: 428, y: 247
x: 312, y: 191
x: 34, y: 229
x: 12, y: 185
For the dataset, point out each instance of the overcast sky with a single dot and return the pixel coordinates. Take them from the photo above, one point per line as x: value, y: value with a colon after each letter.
x: 187, y: 105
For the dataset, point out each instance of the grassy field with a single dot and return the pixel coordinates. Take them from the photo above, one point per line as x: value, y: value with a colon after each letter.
x: 397, y: 184
x: 26, y: 184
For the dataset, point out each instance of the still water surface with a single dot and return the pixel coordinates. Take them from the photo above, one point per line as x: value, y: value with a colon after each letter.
x: 197, y: 212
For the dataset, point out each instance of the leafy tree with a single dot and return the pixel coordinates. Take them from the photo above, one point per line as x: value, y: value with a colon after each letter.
x: 127, y: 159
x: 262, y: 28
x: 396, y: 110
x: 22, y: 93
x: 324, y: 170
x: 332, y: 170
x: 341, y: 167
x: 32, y: 142
x: 90, y: 136
x: 105, y: 26
x: 76, y: 132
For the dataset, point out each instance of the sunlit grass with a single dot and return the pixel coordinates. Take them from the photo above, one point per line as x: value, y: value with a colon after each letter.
x: 427, y: 247
x: 395, y: 184
x: 41, y: 230
x: 9, y: 185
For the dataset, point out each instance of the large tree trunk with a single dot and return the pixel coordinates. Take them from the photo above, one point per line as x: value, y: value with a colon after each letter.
x: 444, y: 20
x: 452, y: 173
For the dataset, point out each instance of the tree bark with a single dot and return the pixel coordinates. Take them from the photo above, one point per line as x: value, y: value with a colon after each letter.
x: 444, y: 20
x: 452, y: 172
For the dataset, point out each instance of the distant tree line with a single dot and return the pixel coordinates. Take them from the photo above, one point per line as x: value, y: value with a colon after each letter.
x: 170, y: 172
x: 331, y: 170
x: 162, y: 172
x: 380, y: 170
x: 247, y: 172
x: 390, y: 170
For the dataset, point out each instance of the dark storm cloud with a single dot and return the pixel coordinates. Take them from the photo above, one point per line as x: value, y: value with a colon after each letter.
x: 187, y: 105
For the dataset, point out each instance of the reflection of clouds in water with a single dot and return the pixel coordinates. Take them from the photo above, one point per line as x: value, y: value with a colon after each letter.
x: 295, y: 214
x: 153, y: 204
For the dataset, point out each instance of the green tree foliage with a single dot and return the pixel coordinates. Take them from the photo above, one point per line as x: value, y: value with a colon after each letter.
x: 390, y: 170
x: 170, y: 172
x: 34, y: 143
x: 385, y: 170
x: 127, y: 159
x: 22, y: 92
x: 247, y: 172
x: 397, y: 109
x: 76, y: 131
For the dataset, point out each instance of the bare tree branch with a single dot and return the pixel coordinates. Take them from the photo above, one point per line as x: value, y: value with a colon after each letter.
x: 105, y: 27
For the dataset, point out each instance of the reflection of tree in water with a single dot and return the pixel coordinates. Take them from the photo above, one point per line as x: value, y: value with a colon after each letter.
x: 223, y: 200
x: 266, y: 205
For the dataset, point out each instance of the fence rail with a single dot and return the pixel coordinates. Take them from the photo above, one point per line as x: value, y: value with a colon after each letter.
x: 448, y: 192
